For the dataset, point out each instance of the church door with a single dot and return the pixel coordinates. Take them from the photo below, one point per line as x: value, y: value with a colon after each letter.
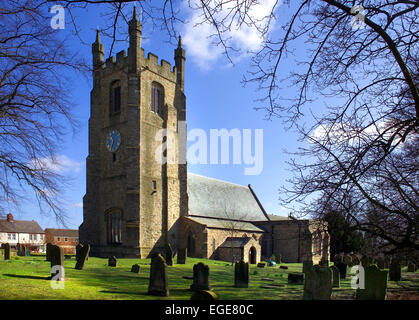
x: 252, y: 255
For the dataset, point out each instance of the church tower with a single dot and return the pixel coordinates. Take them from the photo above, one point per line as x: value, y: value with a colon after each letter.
x: 134, y: 201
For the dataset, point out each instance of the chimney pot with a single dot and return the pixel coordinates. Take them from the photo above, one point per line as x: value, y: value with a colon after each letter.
x: 10, y: 217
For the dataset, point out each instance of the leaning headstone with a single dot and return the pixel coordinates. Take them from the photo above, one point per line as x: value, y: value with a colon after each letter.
x: 411, y: 267
x: 375, y: 284
x: 395, y: 271
x: 342, y: 269
x: 158, y: 285
x: 57, y: 257
x: 283, y: 267
x: 200, y: 277
x: 6, y: 248
x: 318, y: 283
x: 112, y: 261
x: 169, y: 255
x: 135, y: 268
x: 204, y: 295
x: 48, y: 253
x: 307, y: 265
x: 335, y: 276
x: 78, y: 250
x: 181, y: 256
x: 241, y: 274
x: 296, y: 278
x: 81, y: 256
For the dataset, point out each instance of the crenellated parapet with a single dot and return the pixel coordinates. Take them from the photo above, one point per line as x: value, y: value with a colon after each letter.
x: 164, y: 68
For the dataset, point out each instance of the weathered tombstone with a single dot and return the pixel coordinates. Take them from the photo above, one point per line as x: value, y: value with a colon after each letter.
x: 318, y: 284
x: 169, y: 255
x: 112, y: 261
x: 81, y: 255
x: 296, y: 278
x: 335, y: 276
x: 78, y: 250
x: 135, y: 268
x: 158, y: 285
x: 21, y: 250
x: 48, y: 253
x: 261, y: 265
x: 200, y: 277
x: 6, y: 248
x: 395, y: 271
x: 204, y: 295
x: 411, y: 267
x: 307, y: 265
x: 375, y: 284
x: 181, y: 256
x: 283, y: 267
x: 57, y: 257
x: 342, y: 269
x: 241, y: 274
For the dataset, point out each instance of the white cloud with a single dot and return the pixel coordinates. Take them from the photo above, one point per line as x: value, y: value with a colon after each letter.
x: 78, y: 204
x: 196, y: 36
x: 60, y: 164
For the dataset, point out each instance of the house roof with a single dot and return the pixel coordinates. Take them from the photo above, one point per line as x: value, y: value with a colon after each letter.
x: 226, y: 224
x: 21, y: 226
x: 63, y: 232
x: 214, y: 198
x: 275, y: 217
x: 235, y: 242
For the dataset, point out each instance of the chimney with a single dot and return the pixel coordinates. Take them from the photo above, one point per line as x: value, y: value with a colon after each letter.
x: 10, y: 217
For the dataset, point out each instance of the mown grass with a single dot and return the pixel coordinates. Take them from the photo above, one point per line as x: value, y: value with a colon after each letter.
x: 27, y: 278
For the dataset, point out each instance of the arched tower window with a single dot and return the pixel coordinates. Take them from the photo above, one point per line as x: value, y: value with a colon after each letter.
x: 115, y: 99
x: 157, y: 98
x: 114, y: 226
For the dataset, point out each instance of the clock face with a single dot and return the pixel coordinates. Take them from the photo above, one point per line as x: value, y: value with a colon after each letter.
x: 113, y: 140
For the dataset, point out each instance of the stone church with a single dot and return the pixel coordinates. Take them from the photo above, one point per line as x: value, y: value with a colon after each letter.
x: 135, y: 205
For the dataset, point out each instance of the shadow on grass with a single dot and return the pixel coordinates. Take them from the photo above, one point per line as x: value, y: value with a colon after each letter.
x: 124, y: 292
x: 27, y: 277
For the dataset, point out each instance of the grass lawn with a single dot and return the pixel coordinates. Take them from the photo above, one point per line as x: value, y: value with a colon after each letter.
x: 26, y: 278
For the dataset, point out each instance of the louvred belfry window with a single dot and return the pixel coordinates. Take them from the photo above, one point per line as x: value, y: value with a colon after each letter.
x: 114, y: 227
x: 115, y: 99
x: 157, y: 98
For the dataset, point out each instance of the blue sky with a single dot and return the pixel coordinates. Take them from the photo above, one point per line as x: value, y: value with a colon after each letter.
x: 215, y: 99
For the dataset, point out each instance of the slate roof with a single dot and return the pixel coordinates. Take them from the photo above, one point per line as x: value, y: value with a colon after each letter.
x: 235, y: 242
x: 275, y: 217
x: 226, y: 224
x: 63, y: 232
x: 214, y: 198
x: 20, y: 226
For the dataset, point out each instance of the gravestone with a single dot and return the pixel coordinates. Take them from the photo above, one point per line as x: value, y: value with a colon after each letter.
x: 204, y: 295
x: 335, y: 276
x: 158, y: 285
x: 355, y: 260
x: 48, y: 253
x: 411, y: 267
x: 241, y: 274
x: 135, y: 268
x: 318, y: 283
x: 81, y: 255
x: 181, y: 256
x: 261, y: 265
x: 342, y: 269
x: 21, y: 250
x: 6, y: 248
x: 296, y: 278
x: 112, y: 261
x: 375, y: 284
x: 395, y: 271
x: 200, y: 277
x: 56, y: 257
x: 169, y: 255
x: 283, y: 267
x: 307, y: 265
x: 78, y: 250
